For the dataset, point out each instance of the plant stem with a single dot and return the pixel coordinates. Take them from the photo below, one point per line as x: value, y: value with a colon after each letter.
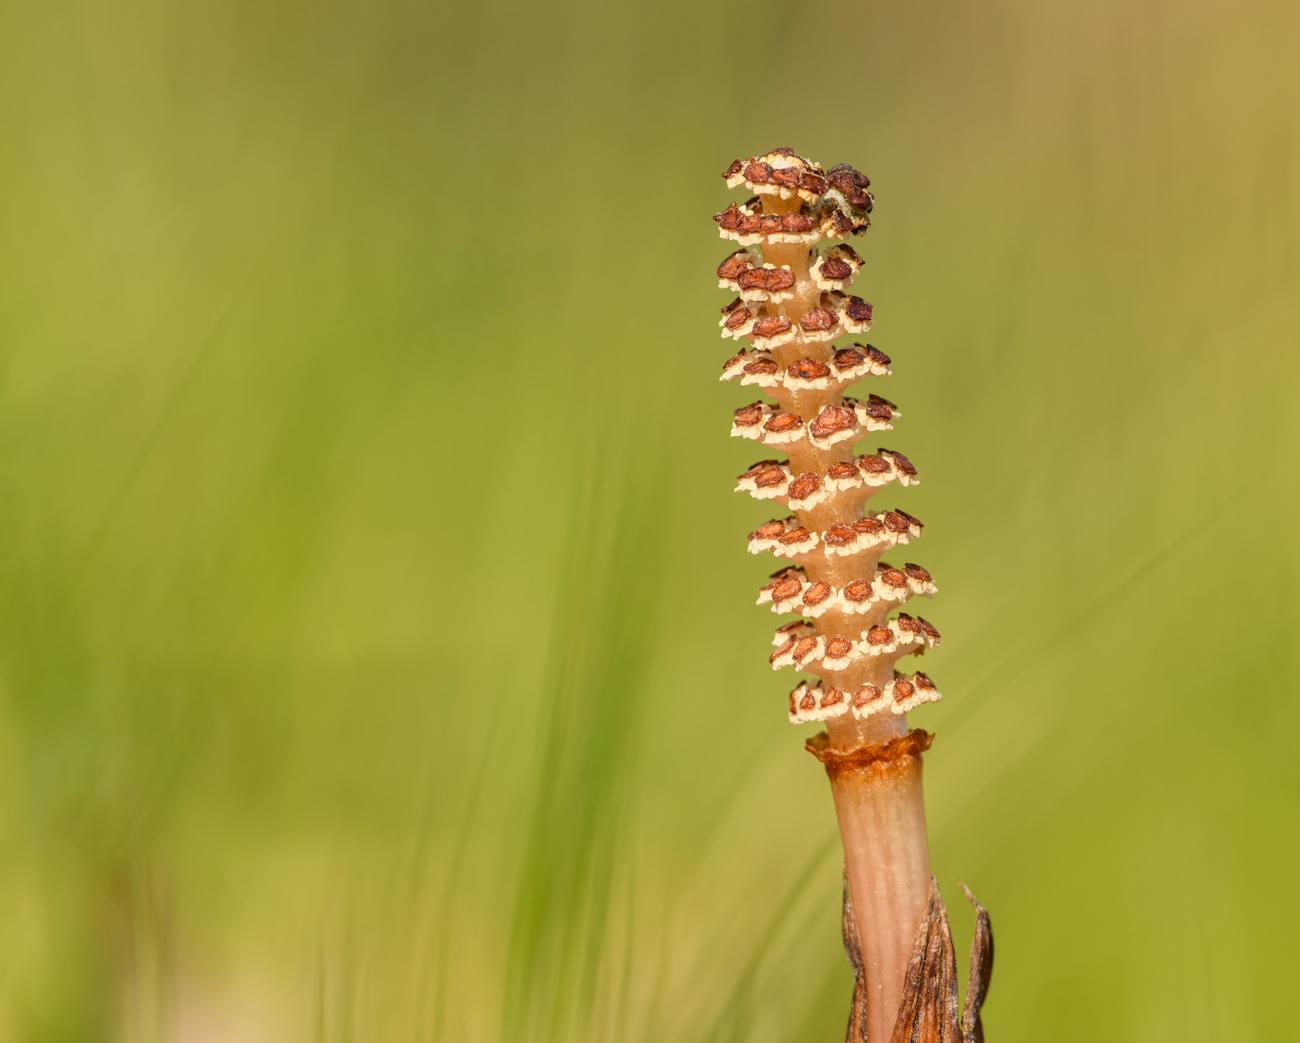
x: 881, y: 812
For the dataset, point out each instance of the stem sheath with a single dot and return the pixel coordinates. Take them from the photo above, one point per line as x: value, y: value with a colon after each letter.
x: 881, y: 812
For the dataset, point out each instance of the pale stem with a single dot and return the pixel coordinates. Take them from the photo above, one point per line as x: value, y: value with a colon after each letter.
x: 881, y: 813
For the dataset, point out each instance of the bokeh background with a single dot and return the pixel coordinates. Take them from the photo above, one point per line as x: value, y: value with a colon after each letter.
x: 377, y: 650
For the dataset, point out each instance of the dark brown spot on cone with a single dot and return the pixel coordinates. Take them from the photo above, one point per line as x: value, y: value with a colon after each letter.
x: 831, y: 420
x: 785, y: 589
x: 811, y: 182
x: 853, y: 184
x: 786, y: 177
x: 781, y: 422
x: 794, y: 536
x: 803, y: 486
x: 838, y: 647
x: 842, y: 469
x: 816, y: 594
x: 921, y: 575
x: 849, y: 254
x: 834, y: 268
x: 841, y: 224
x: 804, y: 648
x: 787, y: 646
x: 839, y: 534
x: 903, y: 690
x: 848, y: 358
x: 816, y: 320
x: 808, y: 369
x: 892, y: 577
x: 771, y: 325
x: 730, y: 218
x: 762, y: 475
x: 761, y: 365
x: 754, y: 470
x: 748, y: 416
x: 858, y: 591
x: 879, y: 408
x: 858, y: 310
x: 737, y: 314
x: 873, y: 464
x: 742, y: 353
x: 770, y: 279
x: 895, y: 522
x: 734, y: 264
x: 868, y: 693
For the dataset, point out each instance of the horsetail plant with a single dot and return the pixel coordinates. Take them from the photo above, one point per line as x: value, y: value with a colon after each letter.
x: 791, y: 306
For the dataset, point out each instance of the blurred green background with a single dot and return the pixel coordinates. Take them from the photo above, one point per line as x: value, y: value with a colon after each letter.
x: 378, y: 652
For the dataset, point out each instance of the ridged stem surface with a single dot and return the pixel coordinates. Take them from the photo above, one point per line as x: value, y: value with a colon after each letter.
x: 881, y: 816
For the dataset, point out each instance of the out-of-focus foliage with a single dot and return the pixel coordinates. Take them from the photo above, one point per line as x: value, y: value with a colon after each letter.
x: 377, y: 657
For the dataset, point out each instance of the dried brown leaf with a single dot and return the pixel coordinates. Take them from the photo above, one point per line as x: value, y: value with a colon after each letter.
x: 981, y: 970
x: 857, y: 1030
x: 928, y: 1013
